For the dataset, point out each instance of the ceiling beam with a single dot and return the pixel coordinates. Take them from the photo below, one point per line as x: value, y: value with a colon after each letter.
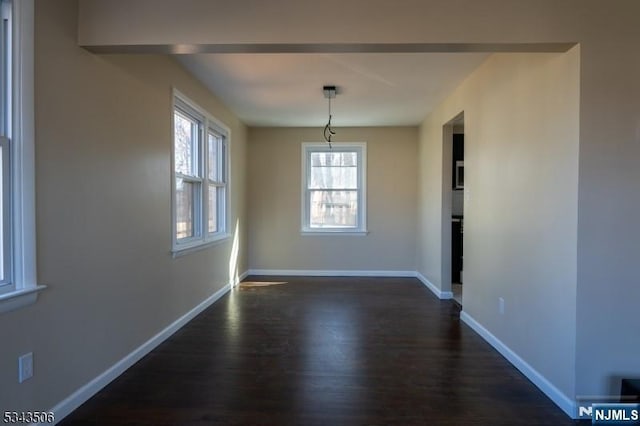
x: 332, y: 48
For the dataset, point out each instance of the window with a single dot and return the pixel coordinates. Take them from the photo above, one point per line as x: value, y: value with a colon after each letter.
x: 200, y: 177
x: 334, y: 188
x: 18, y: 285
x: 6, y: 281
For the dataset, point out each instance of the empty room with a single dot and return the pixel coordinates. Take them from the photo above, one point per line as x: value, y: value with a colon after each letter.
x: 319, y: 213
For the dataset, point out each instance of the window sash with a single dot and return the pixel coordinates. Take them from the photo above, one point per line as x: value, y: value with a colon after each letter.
x: 195, y: 149
x: 220, y: 212
x: 5, y: 67
x: 341, y: 210
x: 218, y: 181
x: 6, y: 245
x: 219, y: 147
x: 196, y: 201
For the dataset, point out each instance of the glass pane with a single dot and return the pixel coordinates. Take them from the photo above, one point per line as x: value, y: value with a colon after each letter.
x: 185, y: 139
x: 334, y: 177
x: 319, y: 159
x: 184, y: 209
x: 213, y: 157
x: 213, y: 209
x: 333, y: 209
x: 338, y: 170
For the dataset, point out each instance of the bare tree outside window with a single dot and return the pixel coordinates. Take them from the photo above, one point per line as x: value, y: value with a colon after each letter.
x: 185, y: 134
x: 334, y: 184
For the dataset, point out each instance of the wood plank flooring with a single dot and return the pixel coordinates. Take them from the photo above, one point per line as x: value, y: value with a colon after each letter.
x: 323, y: 351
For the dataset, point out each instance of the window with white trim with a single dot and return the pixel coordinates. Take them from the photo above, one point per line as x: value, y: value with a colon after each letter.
x: 6, y: 279
x: 200, y: 176
x: 18, y: 286
x: 334, y: 188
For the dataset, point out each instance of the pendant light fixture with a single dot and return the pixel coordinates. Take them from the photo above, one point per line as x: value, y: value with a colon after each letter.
x: 329, y: 93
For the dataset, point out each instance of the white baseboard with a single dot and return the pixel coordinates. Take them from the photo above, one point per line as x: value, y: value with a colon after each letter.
x: 439, y: 293
x: 241, y: 277
x: 80, y: 396
x: 330, y: 273
x: 352, y: 273
x: 565, y: 403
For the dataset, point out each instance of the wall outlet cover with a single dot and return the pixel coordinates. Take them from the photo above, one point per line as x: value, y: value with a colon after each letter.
x: 25, y: 367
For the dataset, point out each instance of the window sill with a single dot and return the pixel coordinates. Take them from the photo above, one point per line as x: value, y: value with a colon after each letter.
x: 333, y: 232
x: 185, y: 249
x: 19, y: 298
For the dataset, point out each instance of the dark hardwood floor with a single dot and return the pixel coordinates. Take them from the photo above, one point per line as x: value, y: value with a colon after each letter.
x: 323, y: 351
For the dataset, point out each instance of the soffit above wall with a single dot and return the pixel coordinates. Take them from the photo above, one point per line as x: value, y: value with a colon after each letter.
x: 269, y: 60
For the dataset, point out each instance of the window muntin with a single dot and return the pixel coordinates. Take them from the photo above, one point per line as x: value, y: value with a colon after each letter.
x: 334, y: 188
x: 200, y: 176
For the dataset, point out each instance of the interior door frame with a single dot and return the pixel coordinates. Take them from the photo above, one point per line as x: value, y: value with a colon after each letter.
x: 447, y: 200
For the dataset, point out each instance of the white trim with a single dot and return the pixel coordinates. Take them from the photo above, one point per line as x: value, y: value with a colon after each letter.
x: 24, y: 288
x: 565, y: 403
x: 240, y: 278
x: 439, y: 293
x: 331, y: 273
x: 24, y: 149
x: 333, y: 232
x: 443, y: 295
x: 198, y: 245
x: 223, y: 128
x: 209, y: 122
x: 80, y: 396
x: 19, y: 298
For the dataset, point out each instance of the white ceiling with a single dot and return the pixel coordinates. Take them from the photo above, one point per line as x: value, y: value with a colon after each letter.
x: 375, y: 89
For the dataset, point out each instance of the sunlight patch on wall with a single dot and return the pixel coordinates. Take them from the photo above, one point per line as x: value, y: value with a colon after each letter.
x: 233, y: 259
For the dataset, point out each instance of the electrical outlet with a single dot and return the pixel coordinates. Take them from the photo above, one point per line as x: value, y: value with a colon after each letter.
x: 501, y: 305
x: 25, y: 367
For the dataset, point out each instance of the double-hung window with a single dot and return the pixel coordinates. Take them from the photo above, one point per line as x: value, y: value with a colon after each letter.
x: 18, y: 285
x: 200, y: 176
x: 334, y: 188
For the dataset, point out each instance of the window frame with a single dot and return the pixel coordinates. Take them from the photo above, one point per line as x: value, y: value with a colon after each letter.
x: 23, y: 289
x: 361, y: 149
x: 206, y: 124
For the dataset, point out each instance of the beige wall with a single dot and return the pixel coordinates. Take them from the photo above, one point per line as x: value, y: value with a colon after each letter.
x: 275, y: 202
x: 608, y: 34
x: 72, y: 84
x: 103, y: 146
x: 521, y: 181
x: 608, y: 342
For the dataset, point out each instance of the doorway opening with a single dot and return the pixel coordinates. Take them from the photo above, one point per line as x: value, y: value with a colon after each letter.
x: 453, y: 205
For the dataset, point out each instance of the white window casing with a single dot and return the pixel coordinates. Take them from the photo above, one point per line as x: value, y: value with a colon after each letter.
x: 334, y: 189
x: 18, y: 151
x: 199, y: 178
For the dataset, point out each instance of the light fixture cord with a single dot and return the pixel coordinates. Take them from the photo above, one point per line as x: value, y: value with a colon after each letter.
x: 327, y: 128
